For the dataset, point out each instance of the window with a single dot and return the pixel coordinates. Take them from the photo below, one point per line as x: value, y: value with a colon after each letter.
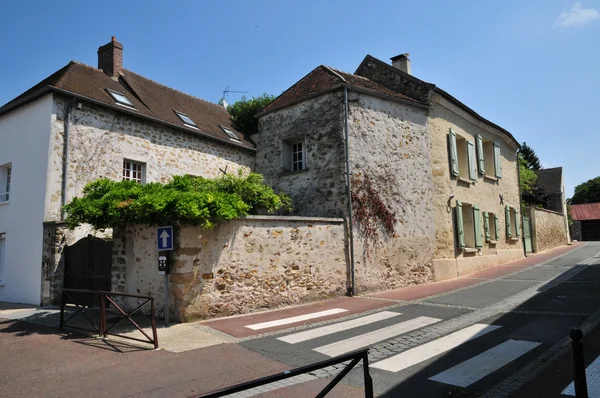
x: 513, y: 223
x: 462, y: 157
x: 468, y: 226
x: 294, y: 155
x: 5, y: 182
x: 491, y: 227
x: 2, y: 251
x: 120, y: 99
x: 488, y: 154
x: 134, y: 171
x: 230, y: 134
x: 186, y: 119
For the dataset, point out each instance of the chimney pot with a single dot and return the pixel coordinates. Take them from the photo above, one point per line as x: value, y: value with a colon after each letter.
x: 110, y: 58
x: 401, y: 62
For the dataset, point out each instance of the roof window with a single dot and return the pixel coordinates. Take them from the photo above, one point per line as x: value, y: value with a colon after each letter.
x: 186, y: 119
x: 230, y: 134
x: 119, y: 98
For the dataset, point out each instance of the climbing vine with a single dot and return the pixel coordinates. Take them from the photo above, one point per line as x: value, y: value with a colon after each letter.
x: 370, y: 212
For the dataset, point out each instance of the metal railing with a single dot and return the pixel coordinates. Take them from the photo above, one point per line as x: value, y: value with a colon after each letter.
x: 354, y: 357
x: 101, y: 327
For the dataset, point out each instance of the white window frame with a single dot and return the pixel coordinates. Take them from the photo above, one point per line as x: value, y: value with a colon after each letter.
x: 130, y: 166
x: 5, y: 182
x: 294, y: 158
x: 2, y: 255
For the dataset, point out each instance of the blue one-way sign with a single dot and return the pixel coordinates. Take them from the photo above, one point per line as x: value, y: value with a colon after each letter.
x: 164, y: 238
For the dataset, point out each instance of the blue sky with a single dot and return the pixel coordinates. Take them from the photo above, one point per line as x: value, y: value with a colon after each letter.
x: 531, y: 67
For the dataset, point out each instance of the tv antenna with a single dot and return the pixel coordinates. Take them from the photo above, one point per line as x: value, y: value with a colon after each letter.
x: 227, y: 91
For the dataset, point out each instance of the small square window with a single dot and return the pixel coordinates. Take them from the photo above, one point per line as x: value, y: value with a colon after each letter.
x: 294, y: 155
x: 186, y: 119
x: 5, y: 182
x: 230, y: 134
x: 120, y: 99
x: 134, y: 171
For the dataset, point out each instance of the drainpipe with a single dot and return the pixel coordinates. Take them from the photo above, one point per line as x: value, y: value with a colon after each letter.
x: 65, y: 162
x: 521, y: 203
x: 350, y: 290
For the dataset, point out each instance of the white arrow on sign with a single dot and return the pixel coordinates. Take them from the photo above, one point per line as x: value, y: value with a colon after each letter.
x: 164, y: 236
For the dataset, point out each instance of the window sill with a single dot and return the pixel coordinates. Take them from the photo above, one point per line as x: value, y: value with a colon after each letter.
x: 4, y: 203
x: 492, y: 242
x: 488, y: 177
x: 514, y: 239
x: 465, y: 180
x: 470, y: 250
x: 287, y: 172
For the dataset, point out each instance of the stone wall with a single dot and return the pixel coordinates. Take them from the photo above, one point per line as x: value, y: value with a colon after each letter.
x: 449, y: 261
x: 320, y: 190
x: 549, y: 229
x: 390, y: 144
x: 254, y: 263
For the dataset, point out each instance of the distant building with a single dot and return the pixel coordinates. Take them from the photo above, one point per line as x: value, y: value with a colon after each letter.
x: 586, y: 222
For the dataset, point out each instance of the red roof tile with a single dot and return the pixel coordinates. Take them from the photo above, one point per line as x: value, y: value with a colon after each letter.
x: 588, y: 211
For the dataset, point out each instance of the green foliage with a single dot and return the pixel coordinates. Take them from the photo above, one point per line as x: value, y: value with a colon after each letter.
x: 186, y: 200
x: 528, y: 176
x: 587, y: 192
x: 532, y: 162
x: 243, y: 111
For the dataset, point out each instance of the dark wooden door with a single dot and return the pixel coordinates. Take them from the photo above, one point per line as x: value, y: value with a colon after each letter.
x: 590, y: 230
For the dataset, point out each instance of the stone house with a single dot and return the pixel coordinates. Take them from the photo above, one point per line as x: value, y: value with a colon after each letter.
x: 551, y: 183
x: 449, y: 175
x: 83, y: 123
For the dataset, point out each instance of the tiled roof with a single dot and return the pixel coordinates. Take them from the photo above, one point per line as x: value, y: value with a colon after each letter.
x: 151, y: 100
x: 550, y: 180
x: 324, y: 78
x: 588, y: 211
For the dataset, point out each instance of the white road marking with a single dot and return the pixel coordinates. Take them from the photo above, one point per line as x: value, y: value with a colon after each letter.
x: 592, y: 374
x: 364, y: 340
x: 429, y: 350
x: 337, y: 327
x: 476, y: 368
x: 294, y: 319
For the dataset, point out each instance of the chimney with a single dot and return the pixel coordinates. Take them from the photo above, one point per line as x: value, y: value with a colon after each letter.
x: 401, y: 62
x: 110, y: 58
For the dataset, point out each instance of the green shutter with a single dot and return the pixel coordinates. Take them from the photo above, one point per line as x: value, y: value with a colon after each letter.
x: 472, y: 163
x: 507, y: 214
x: 460, y: 235
x: 517, y: 223
x: 453, y: 153
x: 486, y: 226
x: 497, y: 160
x: 497, y: 224
x: 477, y: 226
x: 480, y: 156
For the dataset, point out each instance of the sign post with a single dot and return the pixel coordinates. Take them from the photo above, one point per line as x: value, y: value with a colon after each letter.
x: 164, y: 243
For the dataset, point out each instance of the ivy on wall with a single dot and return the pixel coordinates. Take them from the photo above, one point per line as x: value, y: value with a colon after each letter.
x: 186, y: 200
x: 370, y: 212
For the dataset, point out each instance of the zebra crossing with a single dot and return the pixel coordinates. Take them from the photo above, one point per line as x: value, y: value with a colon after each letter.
x: 365, y: 331
x: 592, y: 373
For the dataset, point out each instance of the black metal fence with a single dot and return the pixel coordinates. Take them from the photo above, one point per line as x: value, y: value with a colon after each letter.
x: 354, y: 357
x: 73, y: 296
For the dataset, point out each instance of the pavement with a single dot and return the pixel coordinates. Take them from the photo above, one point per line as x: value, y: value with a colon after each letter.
x: 497, y: 332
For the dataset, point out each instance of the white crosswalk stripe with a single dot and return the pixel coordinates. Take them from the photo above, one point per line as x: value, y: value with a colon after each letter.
x: 294, y: 319
x: 364, y: 340
x: 476, y: 368
x: 592, y: 374
x: 338, y: 327
x: 429, y: 350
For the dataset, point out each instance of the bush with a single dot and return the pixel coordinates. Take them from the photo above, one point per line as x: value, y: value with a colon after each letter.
x: 186, y: 200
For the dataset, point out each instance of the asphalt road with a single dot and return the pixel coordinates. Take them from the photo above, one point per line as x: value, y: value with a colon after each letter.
x: 459, y: 344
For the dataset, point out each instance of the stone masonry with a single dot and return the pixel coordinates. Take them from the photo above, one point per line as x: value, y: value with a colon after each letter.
x: 549, y: 229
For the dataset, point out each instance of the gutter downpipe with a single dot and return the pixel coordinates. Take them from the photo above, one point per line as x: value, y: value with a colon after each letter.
x: 350, y: 289
x: 65, y: 162
x: 521, y: 203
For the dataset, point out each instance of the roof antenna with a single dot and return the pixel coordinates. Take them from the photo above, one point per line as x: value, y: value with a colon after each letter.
x: 227, y: 91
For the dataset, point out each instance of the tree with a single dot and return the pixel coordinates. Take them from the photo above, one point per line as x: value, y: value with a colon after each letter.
x: 587, y: 192
x: 532, y: 162
x: 243, y: 111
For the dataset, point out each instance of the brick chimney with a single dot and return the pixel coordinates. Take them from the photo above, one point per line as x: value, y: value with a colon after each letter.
x: 110, y: 58
x: 401, y: 62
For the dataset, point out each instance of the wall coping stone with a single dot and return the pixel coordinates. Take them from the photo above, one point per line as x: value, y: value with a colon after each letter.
x: 547, y: 211
x: 294, y: 218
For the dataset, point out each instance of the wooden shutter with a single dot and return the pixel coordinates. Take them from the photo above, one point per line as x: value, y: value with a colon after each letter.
x: 477, y: 226
x: 486, y: 226
x: 480, y: 156
x: 472, y: 163
x: 460, y: 234
x: 453, y: 153
x: 497, y: 225
x: 517, y: 223
x: 497, y: 160
x: 507, y: 216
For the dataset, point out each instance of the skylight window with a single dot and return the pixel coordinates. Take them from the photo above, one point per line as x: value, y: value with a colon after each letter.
x: 230, y: 134
x: 186, y: 119
x: 119, y: 98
